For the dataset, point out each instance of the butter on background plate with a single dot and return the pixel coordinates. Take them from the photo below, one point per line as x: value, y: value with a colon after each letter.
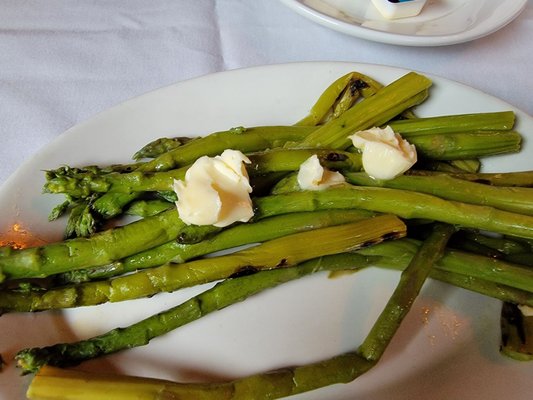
x: 393, y: 9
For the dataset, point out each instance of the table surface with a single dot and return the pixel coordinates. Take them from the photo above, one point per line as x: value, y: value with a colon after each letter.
x: 62, y: 62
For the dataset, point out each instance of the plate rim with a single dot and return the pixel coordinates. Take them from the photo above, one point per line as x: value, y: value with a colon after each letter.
x: 396, y: 38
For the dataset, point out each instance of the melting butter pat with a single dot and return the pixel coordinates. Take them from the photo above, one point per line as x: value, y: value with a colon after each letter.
x: 313, y: 176
x: 216, y: 191
x: 385, y: 153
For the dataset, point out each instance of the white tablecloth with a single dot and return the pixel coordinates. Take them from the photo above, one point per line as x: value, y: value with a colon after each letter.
x: 63, y: 61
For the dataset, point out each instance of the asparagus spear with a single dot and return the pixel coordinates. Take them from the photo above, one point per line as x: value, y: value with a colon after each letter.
x: 223, y: 294
x: 485, y: 287
x: 159, y: 146
x: 472, y: 165
x: 77, y: 385
x: 455, y: 262
x: 490, y: 121
x: 399, y: 304
x: 503, y: 245
x: 111, y: 204
x: 519, y: 200
x: 246, y: 140
x: 173, y: 251
x: 282, y: 160
x: 276, y: 253
x: 100, y: 249
x: 148, y: 208
x: 81, y: 222
x: 523, y: 178
x: 339, y: 97
x: 406, y: 204
x: 392, y: 100
x: 457, y: 146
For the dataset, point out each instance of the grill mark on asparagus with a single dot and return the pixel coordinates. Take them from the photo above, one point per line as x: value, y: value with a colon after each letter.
x: 387, y: 236
x: 244, y: 271
x: 335, y: 156
x: 357, y: 85
x: 282, y: 263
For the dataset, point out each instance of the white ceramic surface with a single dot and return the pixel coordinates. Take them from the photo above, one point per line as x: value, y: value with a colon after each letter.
x: 441, y: 22
x: 447, y: 348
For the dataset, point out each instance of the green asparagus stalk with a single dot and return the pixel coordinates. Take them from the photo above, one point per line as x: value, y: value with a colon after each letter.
x: 277, y: 253
x: 173, y: 251
x: 225, y: 293
x: 100, y: 249
x: 243, y: 139
x: 282, y: 160
x: 521, y: 258
x: 159, y: 146
x: 492, y: 121
x: 77, y: 385
x: 472, y: 165
x: 403, y: 297
x: 392, y: 100
x: 397, y: 255
x: 458, y: 146
x: 111, y: 204
x: 485, y: 287
x: 503, y: 245
x: 342, y: 91
x: 339, y: 97
x: 519, y: 200
x: 247, y: 140
x: 81, y: 222
x: 148, y: 208
x: 405, y: 204
x: 288, y: 160
x: 514, y: 251
x: 472, y: 266
x: 66, y: 170
x: 523, y: 178
x: 461, y: 242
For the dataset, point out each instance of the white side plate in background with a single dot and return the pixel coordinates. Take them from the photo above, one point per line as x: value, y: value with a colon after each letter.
x: 446, y: 349
x: 441, y: 22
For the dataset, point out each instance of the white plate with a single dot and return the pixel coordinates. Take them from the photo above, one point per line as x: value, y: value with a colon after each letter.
x: 441, y: 22
x: 447, y: 348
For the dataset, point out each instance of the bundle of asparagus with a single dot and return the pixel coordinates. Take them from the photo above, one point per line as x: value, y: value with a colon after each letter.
x: 430, y: 222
